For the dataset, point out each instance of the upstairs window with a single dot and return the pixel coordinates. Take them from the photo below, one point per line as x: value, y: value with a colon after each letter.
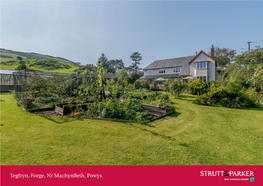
x: 201, y: 65
x: 149, y: 71
x: 161, y: 71
x: 177, y: 69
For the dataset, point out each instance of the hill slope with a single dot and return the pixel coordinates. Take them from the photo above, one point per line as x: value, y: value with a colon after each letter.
x: 7, y: 55
x: 40, y: 64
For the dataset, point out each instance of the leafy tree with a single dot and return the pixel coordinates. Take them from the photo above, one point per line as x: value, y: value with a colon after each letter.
x: 117, y: 64
x: 111, y: 70
x: 141, y: 84
x: 130, y: 80
x: 129, y: 69
x: 235, y: 82
x: 136, y: 57
x: 140, y: 73
x: 197, y: 85
x: 122, y: 76
x: 215, y: 92
x: 247, y: 61
x: 104, y: 61
x: 166, y: 85
x: 223, y: 56
x: 19, y: 58
x: 21, y: 66
x: 155, y: 87
x: 89, y: 67
x: 257, y: 79
x: 177, y: 87
x: 135, y: 76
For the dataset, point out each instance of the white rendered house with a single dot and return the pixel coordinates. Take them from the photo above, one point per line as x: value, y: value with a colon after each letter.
x: 200, y: 66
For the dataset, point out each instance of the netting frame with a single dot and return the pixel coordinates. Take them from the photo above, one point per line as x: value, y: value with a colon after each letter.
x: 20, y: 83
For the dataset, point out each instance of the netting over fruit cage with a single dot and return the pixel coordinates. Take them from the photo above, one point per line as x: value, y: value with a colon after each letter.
x: 36, y: 89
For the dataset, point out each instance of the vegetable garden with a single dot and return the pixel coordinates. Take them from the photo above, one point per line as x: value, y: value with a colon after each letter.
x: 84, y: 96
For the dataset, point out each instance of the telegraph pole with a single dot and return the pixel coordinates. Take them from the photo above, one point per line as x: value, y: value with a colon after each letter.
x: 248, y: 46
x: 260, y: 41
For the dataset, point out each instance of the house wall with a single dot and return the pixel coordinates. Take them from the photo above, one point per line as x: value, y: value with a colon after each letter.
x: 191, y: 70
x: 202, y: 72
x: 210, y: 71
x: 167, y: 71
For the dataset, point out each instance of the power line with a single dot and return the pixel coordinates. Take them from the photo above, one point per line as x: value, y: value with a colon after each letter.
x: 259, y: 41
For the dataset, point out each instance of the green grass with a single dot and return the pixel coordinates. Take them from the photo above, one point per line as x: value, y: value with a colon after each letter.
x: 6, y: 56
x: 194, y: 135
x: 34, y: 65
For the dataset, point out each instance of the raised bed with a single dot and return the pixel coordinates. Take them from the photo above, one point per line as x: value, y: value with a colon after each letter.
x: 65, y: 109
x: 169, y: 109
x: 41, y: 109
x: 61, y: 110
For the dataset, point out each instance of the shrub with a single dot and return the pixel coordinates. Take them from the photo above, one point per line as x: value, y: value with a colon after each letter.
x: 215, y: 93
x: 154, y: 87
x: 202, y: 100
x: 234, y: 83
x: 166, y: 85
x: 137, y: 95
x: 251, y: 97
x: 177, y: 87
x: 163, y: 97
x: 152, y: 96
x: 198, y: 86
x: 141, y: 84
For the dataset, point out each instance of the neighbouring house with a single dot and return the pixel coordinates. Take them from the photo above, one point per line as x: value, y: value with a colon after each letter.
x: 200, y: 66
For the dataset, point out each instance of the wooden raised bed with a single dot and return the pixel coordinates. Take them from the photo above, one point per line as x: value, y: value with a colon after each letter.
x: 62, y: 110
x: 159, y: 111
x: 41, y: 109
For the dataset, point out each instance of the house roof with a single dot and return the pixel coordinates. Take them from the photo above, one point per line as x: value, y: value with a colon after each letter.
x: 181, y: 61
x: 164, y: 76
x: 198, y: 55
x: 174, y: 62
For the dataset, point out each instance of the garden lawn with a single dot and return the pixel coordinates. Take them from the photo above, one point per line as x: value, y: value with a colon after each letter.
x: 194, y: 135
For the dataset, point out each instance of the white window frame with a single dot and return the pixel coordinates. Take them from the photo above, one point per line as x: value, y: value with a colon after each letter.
x: 203, y: 78
x: 162, y: 71
x: 176, y: 69
x: 201, y: 65
x: 149, y: 72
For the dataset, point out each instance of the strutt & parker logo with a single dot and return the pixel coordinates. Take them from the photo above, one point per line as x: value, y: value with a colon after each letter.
x: 230, y: 175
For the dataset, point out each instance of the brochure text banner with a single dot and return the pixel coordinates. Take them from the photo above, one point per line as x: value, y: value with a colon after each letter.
x: 131, y: 175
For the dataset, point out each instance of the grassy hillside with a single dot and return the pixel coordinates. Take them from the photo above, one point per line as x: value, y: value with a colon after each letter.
x: 7, y: 55
x: 40, y: 64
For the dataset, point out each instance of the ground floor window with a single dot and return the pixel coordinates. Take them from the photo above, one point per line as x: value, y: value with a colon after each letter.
x: 203, y: 78
x: 175, y: 79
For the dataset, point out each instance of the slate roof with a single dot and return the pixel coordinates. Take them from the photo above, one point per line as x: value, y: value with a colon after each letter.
x: 157, y: 76
x: 181, y: 61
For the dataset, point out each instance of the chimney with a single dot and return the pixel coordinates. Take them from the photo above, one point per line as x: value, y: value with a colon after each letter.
x: 196, y: 53
x: 212, y: 52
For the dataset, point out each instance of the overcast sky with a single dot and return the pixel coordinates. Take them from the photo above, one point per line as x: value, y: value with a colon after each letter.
x: 81, y: 31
